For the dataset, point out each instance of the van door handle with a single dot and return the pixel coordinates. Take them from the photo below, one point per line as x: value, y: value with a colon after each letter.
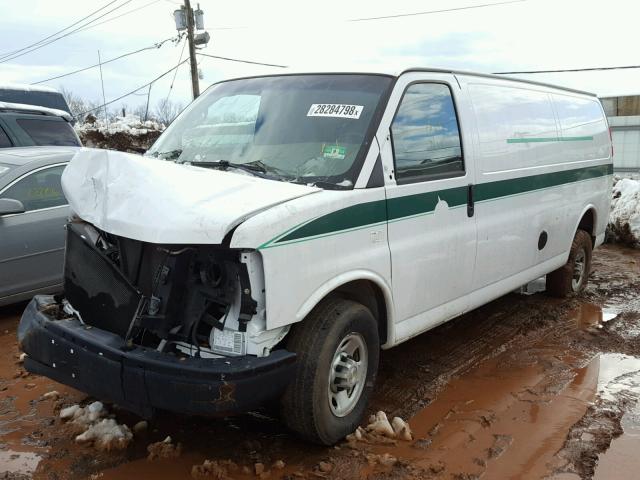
x: 470, y: 202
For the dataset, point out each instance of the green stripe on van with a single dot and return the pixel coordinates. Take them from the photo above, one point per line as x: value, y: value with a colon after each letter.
x: 365, y: 214
x: 515, y: 186
x: 548, y: 139
x: 348, y: 218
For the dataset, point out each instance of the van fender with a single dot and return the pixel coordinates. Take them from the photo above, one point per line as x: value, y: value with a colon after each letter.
x: 334, y: 283
x: 590, y: 206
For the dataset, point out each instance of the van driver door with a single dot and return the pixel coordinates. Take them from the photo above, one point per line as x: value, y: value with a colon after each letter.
x: 431, y: 222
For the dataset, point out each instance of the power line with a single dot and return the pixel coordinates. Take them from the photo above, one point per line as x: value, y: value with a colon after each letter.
x: 2, y: 55
x: 242, y: 61
x: 592, y: 69
x: 366, y: 19
x: 175, y: 73
x: 118, y: 16
x: 152, y: 47
x: 133, y: 91
x: 37, y: 47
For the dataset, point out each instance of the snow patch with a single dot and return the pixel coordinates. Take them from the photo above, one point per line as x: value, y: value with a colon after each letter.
x: 379, y: 423
x: 129, y: 124
x: 380, y: 430
x: 624, y: 218
x: 107, y: 435
x: 104, y: 433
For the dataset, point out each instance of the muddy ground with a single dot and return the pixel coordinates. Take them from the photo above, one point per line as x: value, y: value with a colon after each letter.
x: 525, y: 387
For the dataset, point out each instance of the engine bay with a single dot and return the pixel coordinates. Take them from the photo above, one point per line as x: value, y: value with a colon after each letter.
x: 192, y: 300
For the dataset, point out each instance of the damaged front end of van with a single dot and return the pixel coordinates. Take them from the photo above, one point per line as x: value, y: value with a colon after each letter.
x: 158, y: 311
x: 187, y: 272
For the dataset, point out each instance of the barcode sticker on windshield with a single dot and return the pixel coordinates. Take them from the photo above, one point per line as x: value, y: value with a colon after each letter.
x: 335, y: 110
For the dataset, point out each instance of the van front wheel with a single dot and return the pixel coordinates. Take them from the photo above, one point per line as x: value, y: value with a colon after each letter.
x: 572, y: 278
x: 337, y: 349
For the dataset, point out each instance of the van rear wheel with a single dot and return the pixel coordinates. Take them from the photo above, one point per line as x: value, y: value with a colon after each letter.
x: 572, y: 278
x: 337, y: 349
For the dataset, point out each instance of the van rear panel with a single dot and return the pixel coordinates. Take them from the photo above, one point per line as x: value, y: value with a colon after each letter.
x: 542, y: 158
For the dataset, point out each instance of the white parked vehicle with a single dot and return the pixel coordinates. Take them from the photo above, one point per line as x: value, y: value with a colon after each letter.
x: 299, y: 223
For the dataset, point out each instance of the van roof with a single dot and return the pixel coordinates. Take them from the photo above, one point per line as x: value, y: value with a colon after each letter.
x: 27, y: 88
x: 393, y: 71
x: 499, y: 77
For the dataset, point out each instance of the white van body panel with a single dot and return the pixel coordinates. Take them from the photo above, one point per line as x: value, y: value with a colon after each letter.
x: 300, y: 266
x: 540, y: 170
x: 535, y: 136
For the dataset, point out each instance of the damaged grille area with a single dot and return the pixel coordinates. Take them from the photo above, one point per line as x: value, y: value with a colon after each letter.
x: 96, y: 287
x: 167, y: 297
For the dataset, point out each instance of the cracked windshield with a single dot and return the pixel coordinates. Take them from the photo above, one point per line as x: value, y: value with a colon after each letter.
x: 301, y: 128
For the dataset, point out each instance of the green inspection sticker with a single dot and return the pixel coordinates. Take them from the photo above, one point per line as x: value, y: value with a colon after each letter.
x: 334, y: 151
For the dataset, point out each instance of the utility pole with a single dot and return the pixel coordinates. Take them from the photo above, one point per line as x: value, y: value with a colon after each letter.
x: 104, y: 101
x: 187, y: 19
x: 195, y: 83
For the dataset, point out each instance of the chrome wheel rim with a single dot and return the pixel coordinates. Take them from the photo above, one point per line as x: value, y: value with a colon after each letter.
x: 579, y: 267
x: 347, y: 375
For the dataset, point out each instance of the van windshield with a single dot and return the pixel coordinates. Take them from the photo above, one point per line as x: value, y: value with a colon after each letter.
x: 300, y: 128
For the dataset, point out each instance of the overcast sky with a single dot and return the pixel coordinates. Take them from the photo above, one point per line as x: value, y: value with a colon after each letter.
x: 532, y: 34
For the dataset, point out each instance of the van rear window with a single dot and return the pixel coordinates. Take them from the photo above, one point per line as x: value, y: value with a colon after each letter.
x: 32, y: 97
x: 49, y: 132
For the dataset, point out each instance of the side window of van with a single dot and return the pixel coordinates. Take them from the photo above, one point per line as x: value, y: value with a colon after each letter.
x: 425, y: 135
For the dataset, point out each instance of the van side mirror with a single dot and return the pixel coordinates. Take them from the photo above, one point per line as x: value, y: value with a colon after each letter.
x: 10, y: 206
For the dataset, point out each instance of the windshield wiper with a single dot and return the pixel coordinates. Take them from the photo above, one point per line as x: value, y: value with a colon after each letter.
x: 170, y: 155
x: 252, y: 167
x: 329, y: 185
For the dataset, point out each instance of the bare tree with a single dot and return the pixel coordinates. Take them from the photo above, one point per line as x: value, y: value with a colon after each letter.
x: 166, y: 111
x: 76, y: 104
x: 141, y: 111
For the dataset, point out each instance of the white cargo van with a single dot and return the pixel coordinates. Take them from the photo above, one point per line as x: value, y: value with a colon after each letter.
x: 285, y: 228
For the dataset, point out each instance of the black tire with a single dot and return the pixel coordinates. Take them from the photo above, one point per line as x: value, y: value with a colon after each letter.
x: 306, y: 405
x: 560, y: 282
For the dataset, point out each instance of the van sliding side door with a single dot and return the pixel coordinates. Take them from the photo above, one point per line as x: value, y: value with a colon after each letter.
x: 431, y: 229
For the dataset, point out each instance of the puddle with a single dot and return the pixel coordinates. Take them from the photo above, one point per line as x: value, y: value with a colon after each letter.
x: 18, y: 462
x: 589, y: 316
x: 23, y: 431
x: 510, y: 416
x: 618, y: 373
x: 620, y: 376
x: 506, y: 418
x: 621, y: 460
x: 609, y: 314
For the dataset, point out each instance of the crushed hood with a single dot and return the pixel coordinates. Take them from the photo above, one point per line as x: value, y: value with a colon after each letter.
x: 162, y: 202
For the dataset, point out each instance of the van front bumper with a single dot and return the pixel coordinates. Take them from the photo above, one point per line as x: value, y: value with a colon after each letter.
x: 140, y: 379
